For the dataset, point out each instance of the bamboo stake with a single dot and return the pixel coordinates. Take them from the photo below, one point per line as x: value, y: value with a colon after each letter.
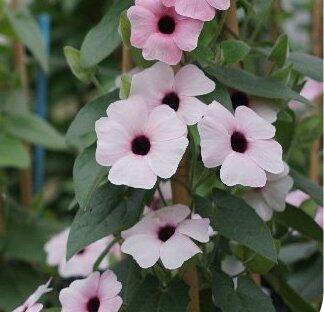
x: 317, y: 34
x: 127, y: 60
x: 20, y: 67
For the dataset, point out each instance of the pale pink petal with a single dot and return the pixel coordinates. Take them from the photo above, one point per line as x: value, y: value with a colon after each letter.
x: 191, y: 110
x: 164, y: 157
x: 148, y: 225
x: 173, y: 214
x: 40, y: 291
x: 220, y: 4
x: 143, y: 24
x: 319, y: 217
x: 35, y: 308
x: 72, y: 301
x: 169, y: 3
x: 220, y: 115
x: 56, y: 248
x: 267, y: 111
x: 178, y: 249
x: 162, y: 48
x: 88, y: 287
x: 296, y: 198
x: 215, y: 142
x: 252, y: 125
x: 312, y: 89
x: 191, y: 81
x: 267, y: 154
x: 257, y: 202
x: 154, y: 6
x: 187, y: 33
x: 130, y: 114
x: 111, y: 305
x: 133, y: 171
x: 113, y: 141
x: 109, y: 287
x: 271, y: 177
x: 275, y: 193
x: 145, y: 249
x: 195, y: 228
x: 240, y: 169
x: 153, y: 83
x: 164, y: 125
x: 197, y: 9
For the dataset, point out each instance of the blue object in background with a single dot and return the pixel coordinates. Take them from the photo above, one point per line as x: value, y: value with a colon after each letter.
x: 41, y: 108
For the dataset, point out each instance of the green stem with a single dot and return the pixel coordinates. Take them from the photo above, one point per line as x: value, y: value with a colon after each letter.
x: 103, y: 254
x: 97, y: 84
x: 161, y: 195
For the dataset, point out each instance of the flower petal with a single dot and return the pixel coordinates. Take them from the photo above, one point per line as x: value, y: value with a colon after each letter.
x: 267, y: 111
x: 169, y: 3
x: 111, y: 305
x: 109, y: 287
x: 154, y: 6
x: 178, y: 249
x: 172, y: 214
x: 191, y: 81
x: 191, y: 110
x: 252, y: 125
x: 162, y: 48
x: 257, y: 202
x: 187, y: 33
x: 267, y: 154
x: 196, y: 229
x: 215, y: 142
x: 296, y: 198
x: 133, y: 171
x: 148, y: 225
x: 164, y: 157
x: 241, y: 169
x: 220, y: 4
x: 197, y: 9
x: 145, y: 249
x: 164, y: 125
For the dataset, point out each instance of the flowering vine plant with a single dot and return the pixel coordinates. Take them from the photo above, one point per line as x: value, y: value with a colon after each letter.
x: 187, y: 172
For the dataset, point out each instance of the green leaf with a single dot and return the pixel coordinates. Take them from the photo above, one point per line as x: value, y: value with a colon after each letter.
x: 29, y: 33
x: 33, y: 129
x: 295, y: 252
x: 300, y: 221
x: 234, y: 219
x: 308, y: 130
x: 83, y: 124
x: 280, y: 51
x: 247, y: 296
x: 233, y: 51
x: 53, y: 310
x: 111, y: 209
x: 104, y: 38
x: 13, y: 153
x: 290, y: 297
x: 87, y: 175
x: 308, y: 186
x: 72, y: 56
x: 124, y: 29
x: 126, y: 81
x: 309, y: 65
x: 267, y: 87
x: 149, y: 297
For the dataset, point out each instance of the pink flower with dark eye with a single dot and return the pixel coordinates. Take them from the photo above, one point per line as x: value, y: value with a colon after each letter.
x: 160, y: 32
x: 178, y: 91
x: 81, y: 264
x: 271, y: 197
x: 203, y: 10
x: 96, y: 293
x: 241, y: 144
x: 31, y: 304
x: 165, y: 234
x: 140, y: 144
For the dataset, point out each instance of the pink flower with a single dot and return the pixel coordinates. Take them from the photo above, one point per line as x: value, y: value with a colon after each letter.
x: 93, y: 294
x: 161, y: 32
x: 140, y: 145
x: 166, y: 234
x: 203, y: 10
x: 296, y: 198
x: 211, y: 231
x: 263, y: 108
x: 319, y: 217
x: 311, y: 91
x: 271, y: 197
x: 242, y: 144
x: 178, y: 91
x: 82, y: 263
x: 31, y: 304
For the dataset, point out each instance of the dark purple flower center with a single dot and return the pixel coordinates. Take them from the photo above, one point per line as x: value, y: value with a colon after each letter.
x: 93, y: 304
x: 141, y: 145
x: 238, y: 142
x: 172, y: 100
x: 81, y: 252
x: 166, y: 232
x: 25, y: 309
x: 239, y: 99
x: 166, y: 25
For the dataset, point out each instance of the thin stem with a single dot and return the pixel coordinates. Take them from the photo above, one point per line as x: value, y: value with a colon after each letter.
x: 161, y: 195
x: 97, y: 84
x: 104, y: 253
